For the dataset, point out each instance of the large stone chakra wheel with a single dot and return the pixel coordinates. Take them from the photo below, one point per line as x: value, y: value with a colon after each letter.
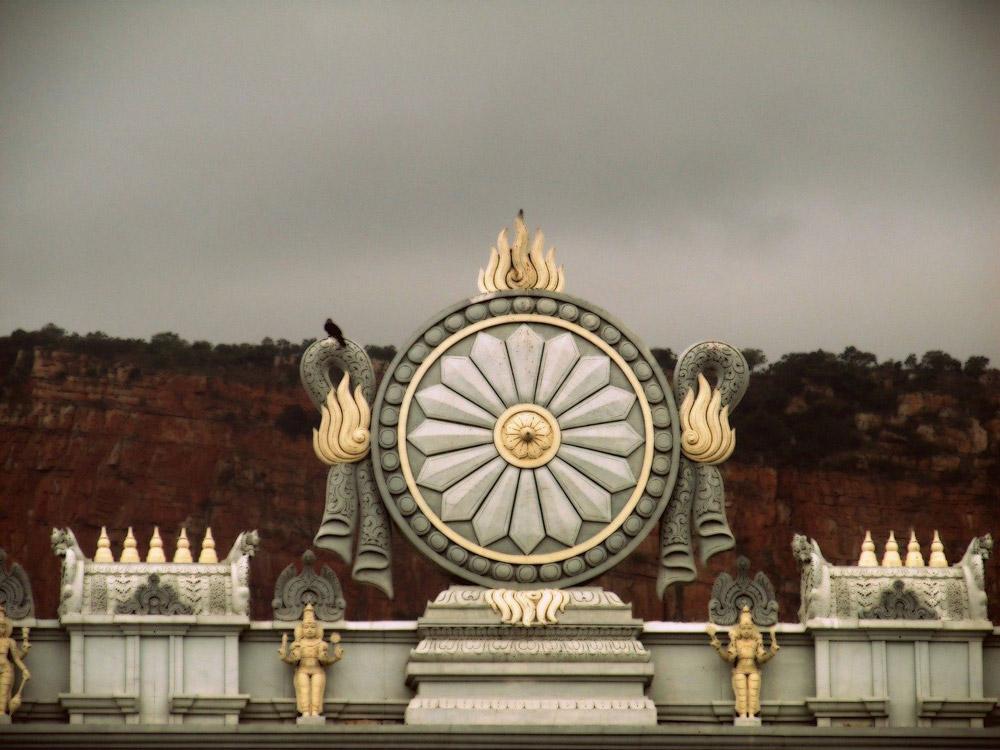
x: 525, y: 440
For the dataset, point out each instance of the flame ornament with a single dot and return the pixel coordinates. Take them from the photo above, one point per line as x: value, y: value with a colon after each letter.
x: 527, y: 608
x: 518, y: 267
x: 343, y: 435
x: 706, y: 436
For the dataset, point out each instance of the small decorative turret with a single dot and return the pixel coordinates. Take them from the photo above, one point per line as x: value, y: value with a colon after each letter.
x: 155, y: 554
x: 913, y: 557
x: 130, y: 554
x: 891, y: 558
x: 208, y: 548
x: 868, y: 559
x: 103, y: 553
x: 938, y: 559
x: 183, y: 551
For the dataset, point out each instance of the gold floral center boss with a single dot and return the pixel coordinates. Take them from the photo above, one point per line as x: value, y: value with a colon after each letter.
x: 527, y: 436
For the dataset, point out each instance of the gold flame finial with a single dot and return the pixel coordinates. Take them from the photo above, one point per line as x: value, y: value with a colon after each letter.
x: 519, y: 267
x: 343, y: 435
x: 706, y: 436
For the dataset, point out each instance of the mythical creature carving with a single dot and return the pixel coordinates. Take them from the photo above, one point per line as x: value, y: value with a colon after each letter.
x: 343, y: 442
x: 64, y: 544
x: 244, y: 548
x: 730, y: 596
x: 294, y: 590
x: 15, y: 590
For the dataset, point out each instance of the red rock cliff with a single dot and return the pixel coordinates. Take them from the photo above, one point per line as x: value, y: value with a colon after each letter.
x: 86, y: 443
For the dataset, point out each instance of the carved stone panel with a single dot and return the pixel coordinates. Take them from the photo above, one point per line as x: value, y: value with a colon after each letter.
x: 294, y: 590
x: 154, y: 598
x: 526, y: 440
x: 15, y: 590
x: 730, y: 595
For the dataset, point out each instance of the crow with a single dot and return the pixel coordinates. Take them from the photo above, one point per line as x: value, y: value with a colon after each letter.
x: 333, y: 331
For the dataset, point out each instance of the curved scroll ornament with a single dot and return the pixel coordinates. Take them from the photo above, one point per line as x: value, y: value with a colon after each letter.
x: 707, y: 441
x: 518, y: 267
x: 350, y: 477
x: 676, y: 560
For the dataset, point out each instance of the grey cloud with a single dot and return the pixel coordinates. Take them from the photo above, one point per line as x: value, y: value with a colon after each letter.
x: 789, y: 176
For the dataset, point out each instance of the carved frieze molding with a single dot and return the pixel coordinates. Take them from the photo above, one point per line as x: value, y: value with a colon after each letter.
x: 546, y: 704
x: 476, y: 597
x: 535, y: 649
x: 563, y: 632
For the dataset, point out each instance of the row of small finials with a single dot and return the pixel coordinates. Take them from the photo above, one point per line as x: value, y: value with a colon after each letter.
x: 130, y: 554
x: 891, y: 558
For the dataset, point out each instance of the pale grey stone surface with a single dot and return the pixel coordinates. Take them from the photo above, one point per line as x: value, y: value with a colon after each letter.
x: 730, y: 595
x: 293, y: 590
x: 898, y: 646
x: 471, y: 669
x: 690, y: 685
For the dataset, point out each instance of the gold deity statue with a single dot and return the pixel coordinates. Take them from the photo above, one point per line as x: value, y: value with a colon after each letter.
x: 310, y: 655
x: 10, y: 655
x: 745, y: 652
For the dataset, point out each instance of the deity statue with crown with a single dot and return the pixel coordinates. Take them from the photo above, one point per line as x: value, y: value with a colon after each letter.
x: 310, y: 655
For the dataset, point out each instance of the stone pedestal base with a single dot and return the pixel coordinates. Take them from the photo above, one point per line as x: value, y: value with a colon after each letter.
x: 749, y: 721
x: 310, y: 721
x: 472, y: 668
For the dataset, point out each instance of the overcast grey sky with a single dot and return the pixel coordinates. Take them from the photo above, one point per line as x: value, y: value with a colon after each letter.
x: 789, y: 176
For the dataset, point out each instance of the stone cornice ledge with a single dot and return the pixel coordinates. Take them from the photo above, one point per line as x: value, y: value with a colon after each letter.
x: 955, y: 708
x: 879, y: 629
x: 657, y: 632
x: 721, y: 712
x: 100, y: 703
x: 182, y: 703
x: 349, y: 737
x: 831, y: 708
x: 383, y: 631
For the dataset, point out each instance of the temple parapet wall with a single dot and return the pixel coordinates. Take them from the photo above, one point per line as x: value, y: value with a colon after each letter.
x: 200, y: 589
x: 895, y: 644
x: 859, y: 592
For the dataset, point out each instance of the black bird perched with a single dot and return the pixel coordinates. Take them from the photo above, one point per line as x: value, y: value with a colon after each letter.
x: 334, y: 332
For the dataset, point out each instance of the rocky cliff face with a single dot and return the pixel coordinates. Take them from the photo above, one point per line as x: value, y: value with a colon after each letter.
x: 86, y: 442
